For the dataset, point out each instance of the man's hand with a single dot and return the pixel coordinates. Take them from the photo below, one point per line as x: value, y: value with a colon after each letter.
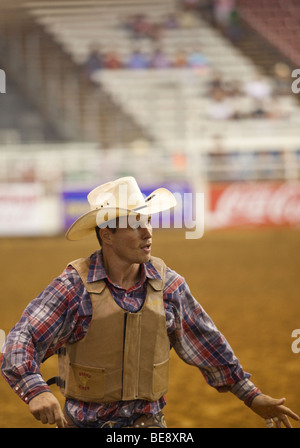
x: 272, y: 409
x: 46, y: 408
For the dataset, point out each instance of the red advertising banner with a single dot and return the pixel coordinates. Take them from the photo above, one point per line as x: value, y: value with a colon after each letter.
x: 254, y: 204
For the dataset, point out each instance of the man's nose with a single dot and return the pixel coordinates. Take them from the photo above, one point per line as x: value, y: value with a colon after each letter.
x: 146, y: 231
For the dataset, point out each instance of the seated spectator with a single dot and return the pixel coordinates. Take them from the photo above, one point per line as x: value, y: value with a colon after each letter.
x: 94, y: 61
x: 259, y: 91
x: 141, y: 27
x: 216, y: 81
x: 234, y: 29
x: 190, y: 5
x: 222, y: 12
x: 258, y: 88
x: 171, y: 22
x: 137, y: 60
x: 155, y: 32
x: 197, y: 60
x: 180, y: 59
x: 126, y: 23
x: 206, y: 8
x: 159, y: 60
x: 282, y: 74
x: 112, y: 61
x: 187, y: 19
x: 220, y: 107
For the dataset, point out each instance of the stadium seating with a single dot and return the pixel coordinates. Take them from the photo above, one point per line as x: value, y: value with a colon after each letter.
x: 178, y: 98
x: 165, y: 106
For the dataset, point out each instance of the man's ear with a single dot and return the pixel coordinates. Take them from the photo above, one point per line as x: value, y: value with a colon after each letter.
x: 106, y: 235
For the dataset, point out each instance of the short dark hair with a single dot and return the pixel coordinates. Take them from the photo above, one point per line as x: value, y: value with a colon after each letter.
x: 112, y: 228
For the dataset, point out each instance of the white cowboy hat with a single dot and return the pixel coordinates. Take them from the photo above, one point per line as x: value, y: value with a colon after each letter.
x: 121, y: 197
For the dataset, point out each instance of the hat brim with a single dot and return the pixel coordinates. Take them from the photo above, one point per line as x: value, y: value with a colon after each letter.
x: 158, y: 201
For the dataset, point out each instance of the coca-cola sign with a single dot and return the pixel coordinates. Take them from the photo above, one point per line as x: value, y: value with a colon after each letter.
x: 260, y: 204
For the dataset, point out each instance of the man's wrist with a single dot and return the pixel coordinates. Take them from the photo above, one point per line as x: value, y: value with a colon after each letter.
x: 245, y: 390
x: 27, y: 389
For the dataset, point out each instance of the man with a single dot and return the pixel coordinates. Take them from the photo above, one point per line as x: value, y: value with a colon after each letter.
x: 113, y: 317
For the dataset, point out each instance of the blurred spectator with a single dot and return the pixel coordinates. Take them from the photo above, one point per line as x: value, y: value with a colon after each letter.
x: 156, y: 31
x: 141, y: 27
x: 137, y: 60
x: 180, y: 59
x: 234, y: 28
x: 254, y: 99
x: 127, y: 23
x: 94, y: 61
x: 112, y: 61
x: 220, y: 107
x: 215, y: 81
x: 282, y: 78
x: 222, y: 12
x: 190, y: 5
x: 196, y: 59
x: 159, y: 59
x: 171, y: 22
x: 206, y: 8
x: 258, y: 88
x: 242, y: 105
x: 187, y: 19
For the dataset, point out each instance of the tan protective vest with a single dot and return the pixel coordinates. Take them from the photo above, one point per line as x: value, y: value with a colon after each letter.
x: 123, y: 356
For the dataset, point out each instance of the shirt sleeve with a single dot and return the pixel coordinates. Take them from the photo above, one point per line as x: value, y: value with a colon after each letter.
x: 198, y: 342
x: 46, y: 324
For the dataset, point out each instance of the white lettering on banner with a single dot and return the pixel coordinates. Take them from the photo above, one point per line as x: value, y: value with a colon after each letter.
x: 238, y: 204
x: 284, y: 204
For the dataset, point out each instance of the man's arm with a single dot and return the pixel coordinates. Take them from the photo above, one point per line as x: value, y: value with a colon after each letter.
x: 54, y: 317
x: 198, y: 342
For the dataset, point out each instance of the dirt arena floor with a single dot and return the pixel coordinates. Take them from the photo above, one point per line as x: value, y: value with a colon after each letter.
x: 247, y: 280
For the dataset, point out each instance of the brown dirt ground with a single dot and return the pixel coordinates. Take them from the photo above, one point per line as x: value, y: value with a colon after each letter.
x: 247, y: 280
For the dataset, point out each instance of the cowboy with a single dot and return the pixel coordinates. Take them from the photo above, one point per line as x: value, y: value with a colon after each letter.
x: 113, y: 318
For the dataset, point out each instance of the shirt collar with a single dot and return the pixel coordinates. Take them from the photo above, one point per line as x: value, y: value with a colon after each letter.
x: 97, y: 271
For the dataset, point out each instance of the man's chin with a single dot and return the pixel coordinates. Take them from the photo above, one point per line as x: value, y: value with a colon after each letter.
x: 145, y: 257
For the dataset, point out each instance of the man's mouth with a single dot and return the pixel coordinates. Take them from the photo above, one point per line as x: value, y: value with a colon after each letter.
x: 146, y: 248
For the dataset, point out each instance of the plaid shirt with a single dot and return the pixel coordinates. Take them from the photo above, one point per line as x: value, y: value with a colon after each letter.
x: 63, y: 311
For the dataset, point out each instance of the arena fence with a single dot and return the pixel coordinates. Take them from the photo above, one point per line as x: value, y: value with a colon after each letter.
x: 43, y: 189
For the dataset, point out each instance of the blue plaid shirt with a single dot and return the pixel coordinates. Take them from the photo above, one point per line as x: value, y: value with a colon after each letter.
x: 63, y: 311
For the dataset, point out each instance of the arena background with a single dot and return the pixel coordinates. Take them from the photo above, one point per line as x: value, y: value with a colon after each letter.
x: 215, y: 112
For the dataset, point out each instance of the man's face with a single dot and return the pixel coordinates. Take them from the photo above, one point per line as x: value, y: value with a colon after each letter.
x: 132, y: 239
